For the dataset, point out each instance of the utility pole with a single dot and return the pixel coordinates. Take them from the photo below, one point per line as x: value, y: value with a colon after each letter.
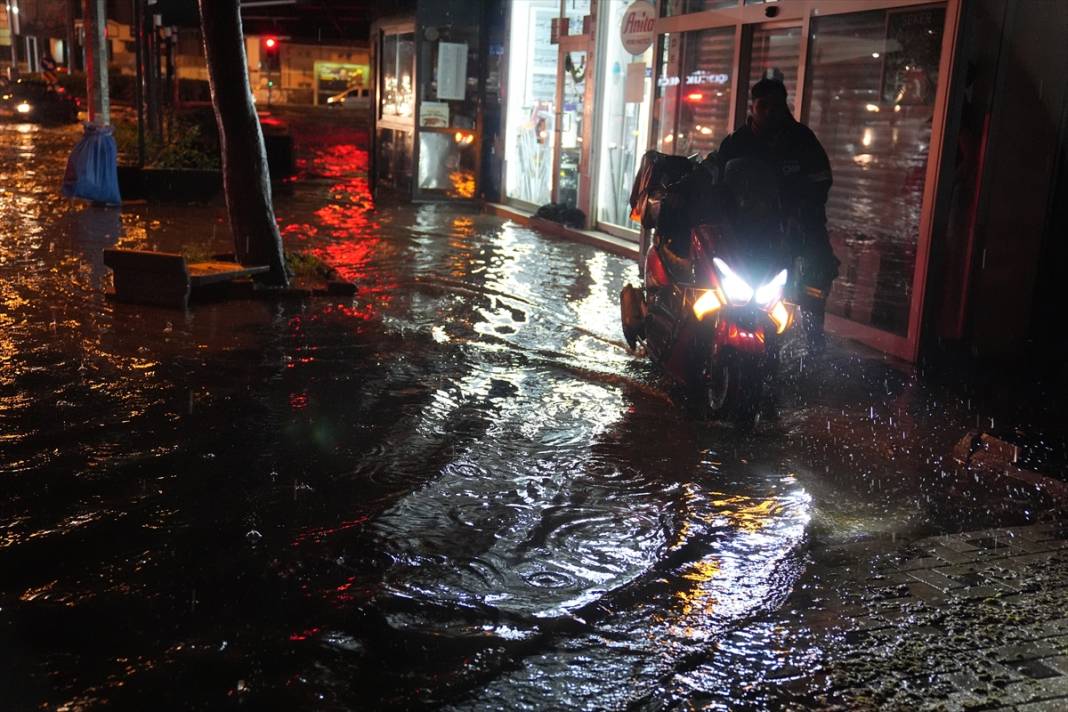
x: 13, y: 29
x: 152, y: 78
x: 96, y: 60
x: 68, y: 54
x: 139, y: 88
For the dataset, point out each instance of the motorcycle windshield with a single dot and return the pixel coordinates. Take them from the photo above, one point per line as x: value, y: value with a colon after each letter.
x: 749, y: 233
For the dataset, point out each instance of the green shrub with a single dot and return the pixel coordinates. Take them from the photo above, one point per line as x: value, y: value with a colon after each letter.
x: 186, y: 143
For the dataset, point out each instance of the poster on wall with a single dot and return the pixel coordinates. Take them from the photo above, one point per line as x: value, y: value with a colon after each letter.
x: 541, y: 66
x: 634, y: 89
x: 452, y: 70
x: 434, y: 114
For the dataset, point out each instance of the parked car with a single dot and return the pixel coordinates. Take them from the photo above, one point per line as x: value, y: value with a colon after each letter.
x: 352, y: 98
x: 37, y: 101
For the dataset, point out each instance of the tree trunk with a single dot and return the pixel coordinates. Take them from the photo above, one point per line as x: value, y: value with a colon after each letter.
x: 244, y: 159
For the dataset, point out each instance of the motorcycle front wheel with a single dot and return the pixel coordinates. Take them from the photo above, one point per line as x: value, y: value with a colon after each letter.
x: 731, y: 388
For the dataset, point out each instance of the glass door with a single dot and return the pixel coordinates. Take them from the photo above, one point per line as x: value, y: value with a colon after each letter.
x: 625, y: 81
x: 870, y: 97
x: 394, y: 113
x: 570, y: 127
x: 531, y: 112
x: 774, y: 53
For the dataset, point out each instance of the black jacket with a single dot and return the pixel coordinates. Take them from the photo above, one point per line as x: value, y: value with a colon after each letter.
x: 805, y: 180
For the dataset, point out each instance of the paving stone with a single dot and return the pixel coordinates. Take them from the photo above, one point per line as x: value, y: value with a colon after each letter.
x: 958, y: 702
x: 933, y: 578
x: 957, y: 542
x: 1037, y: 669
x: 926, y: 562
x: 982, y: 592
x: 1058, y: 663
x: 1048, y: 629
x: 1057, y: 705
x: 1029, y: 546
x: 1053, y: 687
x: 1025, y: 651
x: 925, y: 591
x: 1017, y: 693
x: 951, y: 556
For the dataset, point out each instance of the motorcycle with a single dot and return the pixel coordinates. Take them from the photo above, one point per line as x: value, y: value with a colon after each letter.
x: 715, y: 303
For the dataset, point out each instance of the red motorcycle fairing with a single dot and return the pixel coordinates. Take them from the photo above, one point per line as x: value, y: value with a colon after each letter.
x: 730, y: 334
x: 655, y: 273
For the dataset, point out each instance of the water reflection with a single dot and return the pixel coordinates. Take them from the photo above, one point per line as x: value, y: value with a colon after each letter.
x: 92, y: 229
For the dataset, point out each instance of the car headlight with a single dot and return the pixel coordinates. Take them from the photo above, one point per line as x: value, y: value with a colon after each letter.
x: 736, y: 288
x: 772, y: 291
x: 23, y: 108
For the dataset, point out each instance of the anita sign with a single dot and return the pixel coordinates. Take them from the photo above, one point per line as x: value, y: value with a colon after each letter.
x: 637, y: 28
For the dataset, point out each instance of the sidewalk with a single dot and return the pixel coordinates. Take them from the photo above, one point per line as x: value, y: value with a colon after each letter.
x: 969, y: 621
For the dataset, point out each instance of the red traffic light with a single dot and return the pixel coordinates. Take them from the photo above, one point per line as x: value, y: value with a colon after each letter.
x: 270, y: 43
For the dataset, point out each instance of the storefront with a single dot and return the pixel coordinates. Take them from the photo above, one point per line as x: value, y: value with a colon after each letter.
x: 332, y: 78
x: 427, y: 131
x: 577, y: 109
x: 587, y: 94
x: 537, y: 102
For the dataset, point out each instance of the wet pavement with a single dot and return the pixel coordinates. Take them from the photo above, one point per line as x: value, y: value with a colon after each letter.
x: 457, y: 488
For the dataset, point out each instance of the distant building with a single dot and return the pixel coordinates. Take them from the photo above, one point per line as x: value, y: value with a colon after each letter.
x: 305, y: 72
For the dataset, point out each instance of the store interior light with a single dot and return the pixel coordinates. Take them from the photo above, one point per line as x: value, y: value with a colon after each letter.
x: 872, y: 107
x: 695, y: 96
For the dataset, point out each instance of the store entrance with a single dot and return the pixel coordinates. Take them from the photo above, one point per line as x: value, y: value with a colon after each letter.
x: 546, y: 135
x: 569, y: 135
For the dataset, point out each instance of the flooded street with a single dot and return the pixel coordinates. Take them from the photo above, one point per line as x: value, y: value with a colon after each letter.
x: 457, y: 488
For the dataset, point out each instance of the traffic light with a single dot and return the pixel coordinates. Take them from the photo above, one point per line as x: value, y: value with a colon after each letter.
x: 269, y: 48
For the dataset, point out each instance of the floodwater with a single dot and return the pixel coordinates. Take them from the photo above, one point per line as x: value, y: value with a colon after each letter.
x: 457, y: 488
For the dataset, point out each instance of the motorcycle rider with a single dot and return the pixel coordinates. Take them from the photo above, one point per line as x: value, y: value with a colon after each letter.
x: 772, y: 134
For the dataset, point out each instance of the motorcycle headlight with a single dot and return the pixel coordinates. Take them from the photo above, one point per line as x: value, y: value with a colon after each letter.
x: 772, y: 291
x: 23, y: 108
x: 706, y: 304
x: 734, y: 287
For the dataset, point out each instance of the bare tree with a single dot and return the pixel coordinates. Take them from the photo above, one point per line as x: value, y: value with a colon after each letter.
x: 244, y: 160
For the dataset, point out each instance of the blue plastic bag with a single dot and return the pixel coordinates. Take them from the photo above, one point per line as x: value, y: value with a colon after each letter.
x: 92, y: 170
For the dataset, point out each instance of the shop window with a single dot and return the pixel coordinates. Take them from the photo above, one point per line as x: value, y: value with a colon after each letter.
x: 683, y: 7
x: 870, y: 92
x: 448, y: 162
x: 775, y: 54
x: 531, y: 102
x: 625, y: 101
x: 397, y: 74
x: 693, y: 98
x: 450, y: 62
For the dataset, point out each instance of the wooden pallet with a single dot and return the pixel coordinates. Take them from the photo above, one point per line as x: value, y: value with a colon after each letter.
x: 165, y: 278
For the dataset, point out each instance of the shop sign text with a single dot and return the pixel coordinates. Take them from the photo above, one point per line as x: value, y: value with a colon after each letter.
x: 636, y: 31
